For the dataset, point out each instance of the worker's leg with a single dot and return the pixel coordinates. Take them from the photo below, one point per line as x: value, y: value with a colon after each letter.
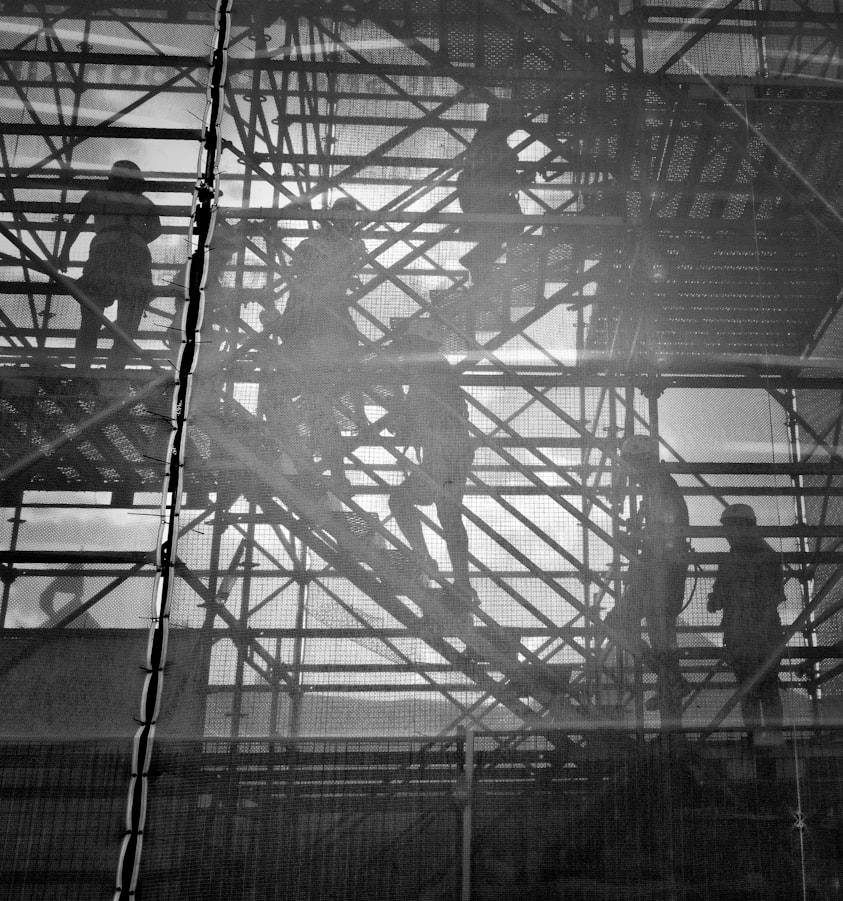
x: 97, y: 285
x: 86, y: 339
x: 480, y: 259
x: 346, y: 358
x: 663, y: 601
x: 745, y: 668
x: 130, y: 310
x: 330, y: 447
x: 447, y: 466
x: 402, y: 504
x: 661, y: 629
x: 770, y: 700
x: 625, y: 617
x: 751, y: 712
x: 449, y: 511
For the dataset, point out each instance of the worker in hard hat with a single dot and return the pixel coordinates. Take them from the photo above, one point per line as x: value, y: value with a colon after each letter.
x: 656, y: 586
x: 433, y: 418
x: 748, y: 588
x: 322, y: 271
x: 488, y: 184
x: 321, y: 341
x: 119, y: 264
x: 316, y: 325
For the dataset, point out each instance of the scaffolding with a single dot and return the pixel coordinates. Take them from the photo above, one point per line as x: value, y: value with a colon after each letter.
x: 187, y: 588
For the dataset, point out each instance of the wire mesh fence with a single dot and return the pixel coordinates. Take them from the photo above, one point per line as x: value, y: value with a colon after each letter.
x: 598, y: 224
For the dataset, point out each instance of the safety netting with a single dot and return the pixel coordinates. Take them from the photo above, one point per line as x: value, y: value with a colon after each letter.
x: 381, y: 385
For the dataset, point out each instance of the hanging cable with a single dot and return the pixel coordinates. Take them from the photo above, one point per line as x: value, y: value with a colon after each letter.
x: 201, y: 229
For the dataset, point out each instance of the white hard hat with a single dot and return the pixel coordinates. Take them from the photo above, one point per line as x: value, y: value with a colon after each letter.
x: 637, y: 446
x: 739, y: 511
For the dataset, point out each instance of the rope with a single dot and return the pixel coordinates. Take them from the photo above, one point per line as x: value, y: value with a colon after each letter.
x: 202, y: 228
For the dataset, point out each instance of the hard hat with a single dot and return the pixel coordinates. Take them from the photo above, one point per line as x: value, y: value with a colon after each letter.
x: 424, y: 330
x: 126, y: 169
x: 345, y: 203
x: 126, y: 176
x: 637, y: 446
x: 739, y: 511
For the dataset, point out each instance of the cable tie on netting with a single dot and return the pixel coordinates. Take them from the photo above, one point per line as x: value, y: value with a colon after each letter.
x: 157, y: 415
x: 800, y: 824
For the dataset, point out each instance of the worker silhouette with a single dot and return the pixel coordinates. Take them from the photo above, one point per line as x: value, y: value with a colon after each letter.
x: 320, y: 397
x: 433, y: 418
x: 748, y: 588
x: 119, y: 264
x: 488, y: 184
x: 656, y: 585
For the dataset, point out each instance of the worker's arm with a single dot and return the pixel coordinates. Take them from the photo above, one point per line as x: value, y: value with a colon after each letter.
x: 404, y: 421
x: 715, y: 597
x: 148, y: 222
x: 74, y: 229
x: 778, y: 584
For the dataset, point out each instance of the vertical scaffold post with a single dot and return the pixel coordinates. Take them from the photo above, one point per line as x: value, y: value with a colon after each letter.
x: 465, y: 793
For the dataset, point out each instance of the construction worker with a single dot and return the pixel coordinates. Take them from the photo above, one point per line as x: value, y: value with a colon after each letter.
x: 748, y: 588
x: 119, y: 264
x: 323, y: 269
x: 488, y: 184
x: 434, y: 418
x: 656, y: 586
x: 321, y: 341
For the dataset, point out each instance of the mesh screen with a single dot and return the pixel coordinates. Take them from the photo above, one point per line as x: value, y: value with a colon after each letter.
x: 326, y: 570
x: 86, y: 411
